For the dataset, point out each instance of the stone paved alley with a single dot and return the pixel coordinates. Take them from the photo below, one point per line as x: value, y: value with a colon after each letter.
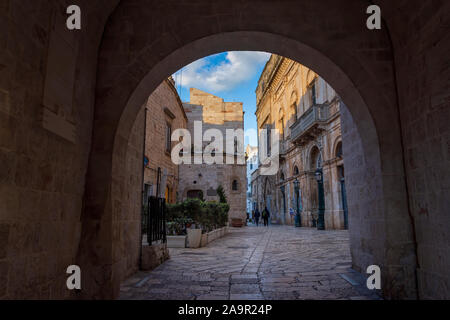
x: 279, y: 262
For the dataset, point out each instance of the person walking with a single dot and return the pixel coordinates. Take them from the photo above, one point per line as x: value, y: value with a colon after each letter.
x: 266, y: 216
x: 257, y: 215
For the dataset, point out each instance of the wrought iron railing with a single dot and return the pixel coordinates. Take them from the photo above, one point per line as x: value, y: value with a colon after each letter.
x: 156, y: 220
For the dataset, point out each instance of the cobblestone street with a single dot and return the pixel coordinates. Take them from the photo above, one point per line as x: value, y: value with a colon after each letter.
x: 279, y: 262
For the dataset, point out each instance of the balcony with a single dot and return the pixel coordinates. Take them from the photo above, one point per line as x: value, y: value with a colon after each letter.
x: 310, y: 124
x: 285, y: 146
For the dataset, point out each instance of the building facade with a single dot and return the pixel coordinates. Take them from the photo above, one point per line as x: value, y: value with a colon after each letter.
x: 306, y: 111
x: 251, y: 155
x: 202, y: 180
x: 164, y: 114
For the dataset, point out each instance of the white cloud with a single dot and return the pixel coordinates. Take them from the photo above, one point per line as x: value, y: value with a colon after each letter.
x: 238, y: 67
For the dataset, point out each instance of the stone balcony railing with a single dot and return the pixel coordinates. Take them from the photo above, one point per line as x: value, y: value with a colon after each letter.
x: 309, y: 123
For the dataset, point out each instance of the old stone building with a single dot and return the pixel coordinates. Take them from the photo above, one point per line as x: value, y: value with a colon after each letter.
x: 202, y: 180
x: 251, y: 156
x: 306, y: 110
x: 69, y: 100
x: 164, y: 114
x: 162, y: 110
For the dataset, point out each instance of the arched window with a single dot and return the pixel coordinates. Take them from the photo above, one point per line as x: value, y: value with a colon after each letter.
x: 282, y: 177
x: 313, y: 92
x: 339, y: 150
x: 282, y: 128
x: 311, y: 79
x: 234, y: 185
x: 294, y: 111
x: 296, y: 171
x: 293, y: 104
x: 168, y: 137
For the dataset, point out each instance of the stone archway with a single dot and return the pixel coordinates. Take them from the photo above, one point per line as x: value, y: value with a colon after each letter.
x: 143, y: 45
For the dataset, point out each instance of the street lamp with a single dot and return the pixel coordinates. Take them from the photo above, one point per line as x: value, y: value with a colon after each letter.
x: 320, y: 220
x: 318, y: 175
x: 298, y: 218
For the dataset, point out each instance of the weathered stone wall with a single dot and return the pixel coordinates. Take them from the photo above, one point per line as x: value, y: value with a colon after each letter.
x: 42, y: 173
x: 421, y: 41
x: 357, y: 62
x: 365, y: 215
x: 214, y: 113
x: 163, y: 107
x: 368, y: 218
x: 153, y: 256
x: 128, y: 209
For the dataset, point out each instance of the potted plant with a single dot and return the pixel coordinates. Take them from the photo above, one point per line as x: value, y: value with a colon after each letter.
x: 193, y: 210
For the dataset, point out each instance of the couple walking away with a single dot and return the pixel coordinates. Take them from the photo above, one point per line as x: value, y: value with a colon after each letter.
x: 265, y: 216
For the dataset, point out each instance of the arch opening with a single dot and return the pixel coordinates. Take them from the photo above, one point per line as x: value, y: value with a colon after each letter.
x: 137, y: 80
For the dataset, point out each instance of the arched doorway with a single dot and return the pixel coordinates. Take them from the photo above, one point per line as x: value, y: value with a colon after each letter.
x: 132, y: 64
x: 195, y: 194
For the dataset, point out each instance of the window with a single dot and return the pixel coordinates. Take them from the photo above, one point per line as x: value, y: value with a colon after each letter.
x: 251, y: 166
x: 282, y: 128
x: 295, y: 170
x: 195, y: 194
x: 168, y: 137
x: 234, y: 185
x: 294, y: 111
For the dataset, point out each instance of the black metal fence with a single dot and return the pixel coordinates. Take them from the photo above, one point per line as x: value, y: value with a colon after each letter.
x: 156, y: 220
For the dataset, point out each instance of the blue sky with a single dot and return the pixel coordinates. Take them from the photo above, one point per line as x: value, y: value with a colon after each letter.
x: 231, y: 75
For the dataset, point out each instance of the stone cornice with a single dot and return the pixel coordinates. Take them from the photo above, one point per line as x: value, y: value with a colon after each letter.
x: 171, y: 85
